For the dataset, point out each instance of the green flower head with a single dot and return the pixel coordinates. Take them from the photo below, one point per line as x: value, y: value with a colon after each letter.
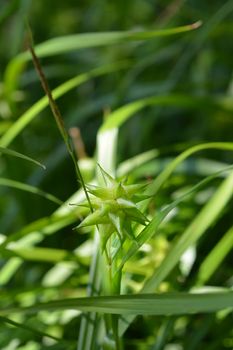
x: 115, y: 208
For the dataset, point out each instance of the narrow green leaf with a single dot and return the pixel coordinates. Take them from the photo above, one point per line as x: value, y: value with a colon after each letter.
x: 197, y: 165
x: 144, y: 304
x: 74, y: 42
x: 13, y: 153
x: 35, y: 232
x: 163, y: 176
x: 30, y: 235
x: 146, y: 234
x: 151, y: 229
x: 28, y: 328
x: 122, y: 114
x: 43, y: 226
x: 215, y: 257
x: 131, y: 164
x: 86, y: 40
x: 61, y: 90
x: 8, y: 270
x: 39, y: 254
x: 194, y: 231
x: 29, y: 188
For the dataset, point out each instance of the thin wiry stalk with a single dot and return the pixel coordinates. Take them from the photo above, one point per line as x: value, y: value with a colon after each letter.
x: 56, y: 113
x: 113, y: 324
x: 89, y: 320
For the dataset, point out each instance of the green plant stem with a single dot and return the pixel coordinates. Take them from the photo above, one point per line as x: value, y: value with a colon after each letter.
x: 57, y: 114
x: 112, y: 286
x: 89, y: 321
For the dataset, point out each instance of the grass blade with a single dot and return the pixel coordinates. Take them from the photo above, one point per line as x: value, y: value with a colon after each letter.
x: 29, y: 188
x: 131, y: 164
x: 79, y: 41
x: 215, y: 257
x: 43, y: 226
x: 163, y: 176
x: 39, y: 254
x: 122, y: 114
x: 58, y: 92
x: 194, y: 231
x: 198, y: 226
x: 27, y: 328
x: 144, y: 304
x: 74, y: 42
x: 13, y: 153
x: 150, y: 230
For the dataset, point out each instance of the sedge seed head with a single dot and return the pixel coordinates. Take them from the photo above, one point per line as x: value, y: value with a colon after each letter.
x: 115, y: 208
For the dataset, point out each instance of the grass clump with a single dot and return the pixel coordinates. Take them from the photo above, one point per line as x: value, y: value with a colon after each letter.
x: 135, y: 255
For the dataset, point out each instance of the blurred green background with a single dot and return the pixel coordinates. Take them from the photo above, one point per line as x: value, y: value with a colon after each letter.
x: 193, y: 69
x: 197, y: 64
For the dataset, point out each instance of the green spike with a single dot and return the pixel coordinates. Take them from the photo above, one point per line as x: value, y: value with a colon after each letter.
x: 128, y: 230
x: 120, y: 191
x: 136, y: 215
x: 101, y: 192
x: 140, y: 197
x: 109, y: 180
x: 108, y: 231
x: 124, y: 203
x: 115, y: 208
x: 117, y: 223
x: 85, y: 204
x: 98, y: 217
x: 133, y: 189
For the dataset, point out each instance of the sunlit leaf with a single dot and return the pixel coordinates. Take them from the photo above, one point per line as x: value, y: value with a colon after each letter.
x: 204, y: 219
x: 86, y: 40
x: 61, y: 90
x: 29, y: 188
x: 144, y: 304
x: 122, y: 114
x: 215, y: 257
x: 13, y: 153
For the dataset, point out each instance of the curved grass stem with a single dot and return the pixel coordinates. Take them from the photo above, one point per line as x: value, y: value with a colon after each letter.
x: 57, y: 114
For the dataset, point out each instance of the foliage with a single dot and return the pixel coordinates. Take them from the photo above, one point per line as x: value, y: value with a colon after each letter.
x: 134, y: 251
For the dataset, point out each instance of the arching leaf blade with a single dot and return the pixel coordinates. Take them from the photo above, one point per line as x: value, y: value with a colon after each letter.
x: 144, y: 304
x: 58, y: 92
x: 28, y: 188
x: 215, y: 257
x: 16, y: 154
x: 74, y: 42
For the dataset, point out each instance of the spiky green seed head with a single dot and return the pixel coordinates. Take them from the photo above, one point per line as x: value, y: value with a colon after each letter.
x: 115, y: 208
